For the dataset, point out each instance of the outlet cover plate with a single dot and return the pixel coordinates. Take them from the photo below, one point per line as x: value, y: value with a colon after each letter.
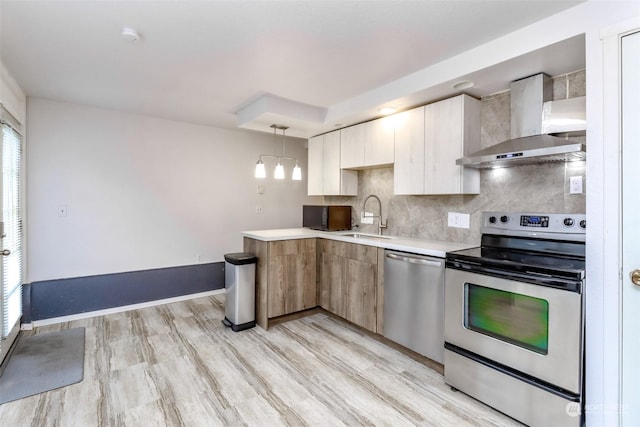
x: 458, y: 220
x: 575, y: 185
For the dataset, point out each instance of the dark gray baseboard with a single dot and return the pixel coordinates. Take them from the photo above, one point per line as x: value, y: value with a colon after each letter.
x: 63, y: 297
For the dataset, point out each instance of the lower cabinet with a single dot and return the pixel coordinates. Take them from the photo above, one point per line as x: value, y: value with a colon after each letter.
x: 285, y: 277
x: 292, y: 276
x: 347, y: 277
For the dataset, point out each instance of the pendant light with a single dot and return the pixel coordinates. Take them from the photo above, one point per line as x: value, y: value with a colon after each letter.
x: 278, y: 173
x: 297, y: 173
x: 261, y: 172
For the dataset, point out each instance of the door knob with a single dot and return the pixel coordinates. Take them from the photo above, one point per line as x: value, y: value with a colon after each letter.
x: 5, y: 252
x: 635, y: 277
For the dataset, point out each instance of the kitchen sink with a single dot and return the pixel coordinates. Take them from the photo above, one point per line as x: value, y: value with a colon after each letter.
x: 366, y: 236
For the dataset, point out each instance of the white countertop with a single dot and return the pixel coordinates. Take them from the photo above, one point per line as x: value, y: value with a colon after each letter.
x: 405, y: 244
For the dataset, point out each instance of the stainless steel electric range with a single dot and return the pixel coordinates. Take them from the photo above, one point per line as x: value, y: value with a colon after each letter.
x: 514, y: 317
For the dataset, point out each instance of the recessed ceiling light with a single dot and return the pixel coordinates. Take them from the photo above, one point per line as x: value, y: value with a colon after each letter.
x: 464, y: 84
x: 130, y: 35
x: 385, y: 111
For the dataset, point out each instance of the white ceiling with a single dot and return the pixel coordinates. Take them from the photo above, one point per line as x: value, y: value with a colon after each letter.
x: 203, y: 61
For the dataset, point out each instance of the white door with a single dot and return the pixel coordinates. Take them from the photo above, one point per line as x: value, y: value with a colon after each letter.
x: 11, y: 232
x: 630, y: 229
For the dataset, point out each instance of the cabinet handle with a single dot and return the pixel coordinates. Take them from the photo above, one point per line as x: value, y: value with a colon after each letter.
x: 414, y: 260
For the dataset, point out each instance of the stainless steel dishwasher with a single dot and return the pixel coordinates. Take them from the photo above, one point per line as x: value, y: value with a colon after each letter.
x: 414, y: 302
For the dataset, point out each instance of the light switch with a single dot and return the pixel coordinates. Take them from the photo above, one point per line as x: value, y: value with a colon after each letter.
x: 62, y: 210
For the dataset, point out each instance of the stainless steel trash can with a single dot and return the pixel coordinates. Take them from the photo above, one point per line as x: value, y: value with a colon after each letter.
x: 240, y: 290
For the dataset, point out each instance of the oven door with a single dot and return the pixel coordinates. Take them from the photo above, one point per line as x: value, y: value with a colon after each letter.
x: 530, y: 328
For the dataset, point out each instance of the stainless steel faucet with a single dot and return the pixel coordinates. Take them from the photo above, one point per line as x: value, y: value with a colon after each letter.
x: 381, y: 224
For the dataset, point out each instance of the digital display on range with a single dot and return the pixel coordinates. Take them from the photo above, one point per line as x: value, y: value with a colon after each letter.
x: 534, y: 221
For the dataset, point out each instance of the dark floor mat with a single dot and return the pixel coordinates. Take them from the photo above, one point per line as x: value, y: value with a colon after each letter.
x: 42, y: 363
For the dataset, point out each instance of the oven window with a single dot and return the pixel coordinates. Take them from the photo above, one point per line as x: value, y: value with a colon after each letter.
x: 515, y: 318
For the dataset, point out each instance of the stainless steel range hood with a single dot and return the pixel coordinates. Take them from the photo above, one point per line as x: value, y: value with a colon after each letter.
x: 534, y: 117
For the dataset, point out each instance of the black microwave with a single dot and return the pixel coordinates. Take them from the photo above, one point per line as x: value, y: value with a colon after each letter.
x: 326, y: 217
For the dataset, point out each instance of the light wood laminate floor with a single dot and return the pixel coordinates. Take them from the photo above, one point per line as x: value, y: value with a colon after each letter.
x: 176, y: 364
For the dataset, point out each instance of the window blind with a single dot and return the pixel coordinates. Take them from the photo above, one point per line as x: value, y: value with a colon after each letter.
x: 12, y: 219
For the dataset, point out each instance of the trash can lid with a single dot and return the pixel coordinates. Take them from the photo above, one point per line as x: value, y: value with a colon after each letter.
x: 240, y: 258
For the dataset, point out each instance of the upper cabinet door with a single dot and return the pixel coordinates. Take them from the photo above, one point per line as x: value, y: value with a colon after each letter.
x: 325, y: 177
x: 331, y: 163
x: 452, y: 128
x: 408, y: 169
x: 315, y: 166
x: 379, y: 142
x: 352, y: 147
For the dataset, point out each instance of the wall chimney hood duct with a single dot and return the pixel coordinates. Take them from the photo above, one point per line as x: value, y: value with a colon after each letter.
x: 534, y: 117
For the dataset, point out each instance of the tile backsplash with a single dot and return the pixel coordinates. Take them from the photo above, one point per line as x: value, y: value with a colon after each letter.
x: 531, y: 188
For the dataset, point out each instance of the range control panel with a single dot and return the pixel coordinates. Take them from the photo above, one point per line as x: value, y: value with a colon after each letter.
x: 544, y: 225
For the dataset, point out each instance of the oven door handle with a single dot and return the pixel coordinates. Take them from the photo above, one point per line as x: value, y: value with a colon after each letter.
x: 414, y: 260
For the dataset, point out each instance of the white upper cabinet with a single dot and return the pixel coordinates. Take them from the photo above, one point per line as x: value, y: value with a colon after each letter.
x: 408, y: 170
x: 379, y: 142
x: 315, y: 166
x: 325, y: 177
x: 452, y: 130
x: 352, y: 147
x: 429, y: 140
x: 368, y: 144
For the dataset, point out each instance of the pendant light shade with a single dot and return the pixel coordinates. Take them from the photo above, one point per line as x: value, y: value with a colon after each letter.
x: 260, y: 172
x: 297, y: 173
x: 278, y: 173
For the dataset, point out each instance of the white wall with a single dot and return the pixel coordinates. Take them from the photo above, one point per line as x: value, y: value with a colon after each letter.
x: 143, y: 192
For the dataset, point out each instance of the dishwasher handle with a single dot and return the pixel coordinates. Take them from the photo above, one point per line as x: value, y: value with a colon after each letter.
x: 414, y: 260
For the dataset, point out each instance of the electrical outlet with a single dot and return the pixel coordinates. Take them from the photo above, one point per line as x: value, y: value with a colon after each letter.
x: 575, y: 185
x: 258, y: 209
x: 199, y: 258
x: 458, y: 220
x: 367, y: 218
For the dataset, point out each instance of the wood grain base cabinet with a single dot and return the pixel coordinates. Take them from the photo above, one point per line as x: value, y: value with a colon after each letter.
x: 347, y: 276
x: 285, y: 277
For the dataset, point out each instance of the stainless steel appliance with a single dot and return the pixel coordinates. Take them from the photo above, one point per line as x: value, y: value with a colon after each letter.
x: 414, y: 302
x: 326, y: 217
x: 534, y: 118
x: 514, y: 317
